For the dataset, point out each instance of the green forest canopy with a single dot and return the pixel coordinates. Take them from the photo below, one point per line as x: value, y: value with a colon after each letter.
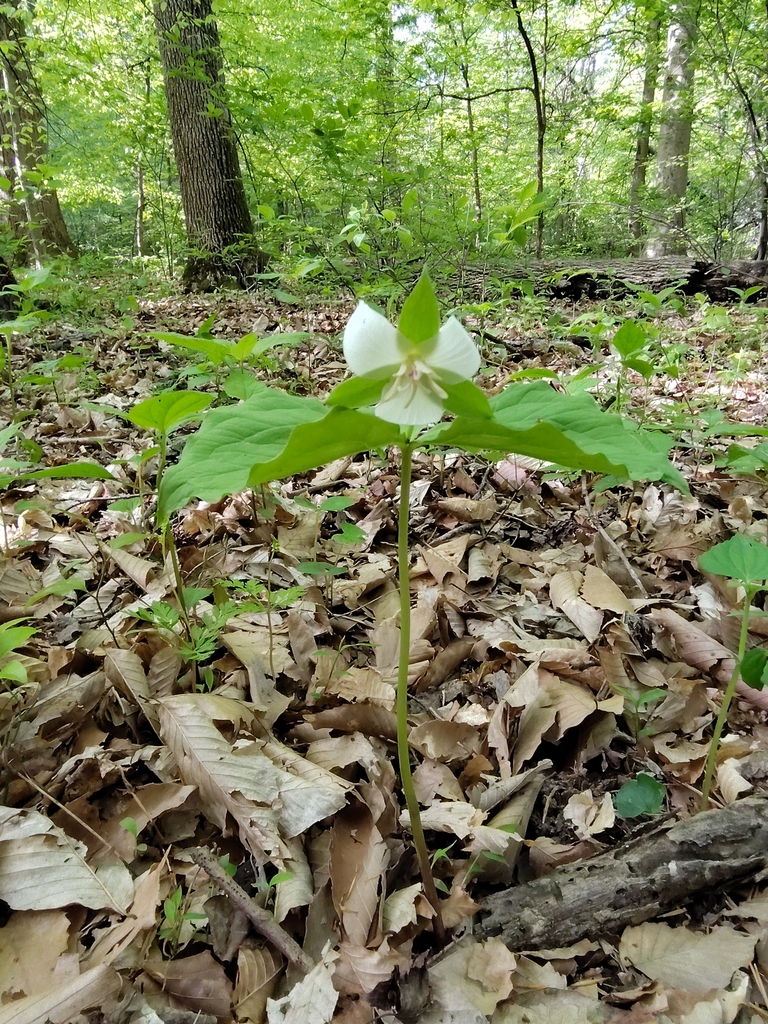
x: 393, y: 131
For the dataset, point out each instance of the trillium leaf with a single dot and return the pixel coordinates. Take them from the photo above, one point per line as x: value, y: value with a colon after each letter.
x: 420, y: 316
x: 218, y: 458
x: 466, y: 399
x: 339, y: 433
x: 740, y: 558
x: 165, y: 412
x: 216, y: 352
x: 568, y: 430
x: 356, y: 392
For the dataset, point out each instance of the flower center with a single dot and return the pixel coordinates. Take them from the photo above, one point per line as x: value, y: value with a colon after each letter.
x: 415, y: 376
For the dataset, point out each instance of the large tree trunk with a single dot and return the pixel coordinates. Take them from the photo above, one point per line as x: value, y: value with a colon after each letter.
x: 219, y: 227
x: 667, y: 236
x: 643, y: 141
x: 633, y: 882
x: 29, y: 208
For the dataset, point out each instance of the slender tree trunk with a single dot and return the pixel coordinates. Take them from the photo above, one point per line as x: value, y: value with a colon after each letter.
x: 643, y: 142
x: 30, y: 208
x: 218, y: 222
x: 667, y: 236
x: 475, y: 162
x: 538, y: 90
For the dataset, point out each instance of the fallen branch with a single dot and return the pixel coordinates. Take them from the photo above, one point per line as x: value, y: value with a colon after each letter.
x: 261, y: 919
x: 633, y: 882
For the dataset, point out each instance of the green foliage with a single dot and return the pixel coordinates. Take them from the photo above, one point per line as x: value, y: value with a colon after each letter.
x: 12, y: 637
x: 741, y: 558
x: 164, y: 413
x: 641, y: 795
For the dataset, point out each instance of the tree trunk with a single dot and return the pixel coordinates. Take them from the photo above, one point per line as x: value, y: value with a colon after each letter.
x: 635, y: 881
x: 218, y: 222
x: 7, y: 299
x: 667, y: 236
x: 643, y: 142
x: 30, y: 208
x: 538, y: 89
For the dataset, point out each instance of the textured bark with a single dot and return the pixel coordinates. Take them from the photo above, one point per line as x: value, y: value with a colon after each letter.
x: 212, y: 194
x: 634, y: 882
x: 7, y: 299
x: 35, y: 220
x: 643, y: 141
x: 675, y: 126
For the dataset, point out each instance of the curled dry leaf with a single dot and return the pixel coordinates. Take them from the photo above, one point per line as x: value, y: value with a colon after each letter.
x: 588, y: 815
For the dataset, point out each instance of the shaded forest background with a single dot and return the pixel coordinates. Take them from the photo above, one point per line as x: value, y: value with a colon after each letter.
x: 371, y: 135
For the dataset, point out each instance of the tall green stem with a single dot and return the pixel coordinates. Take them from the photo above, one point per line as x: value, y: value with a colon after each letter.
x: 730, y: 690
x: 403, y: 753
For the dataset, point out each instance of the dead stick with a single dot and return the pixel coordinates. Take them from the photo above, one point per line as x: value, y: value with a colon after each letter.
x: 261, y: 919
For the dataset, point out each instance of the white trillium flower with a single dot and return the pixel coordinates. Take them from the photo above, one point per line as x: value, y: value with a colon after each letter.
x: 416, y: 373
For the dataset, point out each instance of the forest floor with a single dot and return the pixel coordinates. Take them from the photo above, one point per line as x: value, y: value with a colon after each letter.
x: 564, y: 644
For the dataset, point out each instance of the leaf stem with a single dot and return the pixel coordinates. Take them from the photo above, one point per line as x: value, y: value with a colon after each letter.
x: 730, y: 690
x: 403, y: 752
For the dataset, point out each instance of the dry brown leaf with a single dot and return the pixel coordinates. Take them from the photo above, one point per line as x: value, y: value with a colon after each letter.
x: 311, y: 1001
x: 694, y: 646
x: 198, y: 982
x: 564, y: 593
x: 448, y: 816
x: 440, y: 740
x: 730, y: 781
x: 30, y: 945
x: 683, y: 959
x: 359, y: 970
x: 65, y: 1000
x: 141, y: 917
x: 480, y: 971
x: 588, y: 815
x: 258, y: 969
x: 399, y: 909
x: 600, y: 590
x: 359, y: 858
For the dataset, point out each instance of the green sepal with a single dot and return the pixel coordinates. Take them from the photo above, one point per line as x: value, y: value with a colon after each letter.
x: 420, y: 316
x: 466, y: 399
x: 740, y: 558
x: 356, y: 392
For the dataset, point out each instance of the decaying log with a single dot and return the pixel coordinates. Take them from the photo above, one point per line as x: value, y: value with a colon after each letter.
x: 601, y: 279
x: 633, y: 882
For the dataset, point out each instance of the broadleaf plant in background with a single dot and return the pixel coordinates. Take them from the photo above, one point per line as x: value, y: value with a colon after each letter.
x: 408, y: 377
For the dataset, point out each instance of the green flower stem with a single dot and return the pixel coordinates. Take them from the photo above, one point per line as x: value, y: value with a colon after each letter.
x: 403, y: 752
x: 730, y: 690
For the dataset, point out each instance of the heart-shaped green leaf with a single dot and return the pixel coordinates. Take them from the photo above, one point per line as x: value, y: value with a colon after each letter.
x: 740, y: 558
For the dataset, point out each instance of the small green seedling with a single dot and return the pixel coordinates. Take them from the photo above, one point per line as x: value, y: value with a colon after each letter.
x: 637, y: 702
x: 12, y: 637
x: 744, y: 562
x: 641, y: 795
x: 129, y: 824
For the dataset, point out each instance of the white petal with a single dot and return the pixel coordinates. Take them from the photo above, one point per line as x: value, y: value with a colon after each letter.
x: 411, y: 408
x: 455, y: 355
x: 370, y: 344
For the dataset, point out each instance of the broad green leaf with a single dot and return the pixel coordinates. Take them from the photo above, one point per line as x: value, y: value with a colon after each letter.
x: 356, y: 392
x: 466, y: 399
x: 278, y: 340
x: 420, y: 316
x: 642, y: 795
x: 217, y: 459
x: 165, y: 412
x: 533, y: 373
x: 217, y: 352
x: 14, y: 672
x: 336, y: 503
x: 79, y: 470
x: 12, y: 636
x: 642, y: 366
x: 630, y: 339
x: 568, y: 430
x: 242, y: 384
x: 740, y: 558
x: 321, y: 569
x: 350, y: 533
x: 339, y: 433
x: 754, y: 668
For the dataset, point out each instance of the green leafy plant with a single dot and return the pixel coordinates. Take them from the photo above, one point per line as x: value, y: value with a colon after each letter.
x: 641, y: 795
x: 406, y: 378
x: 744, y: 561
x: 163, y: 414
x: 635, y: 704
x: 12, y: 637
